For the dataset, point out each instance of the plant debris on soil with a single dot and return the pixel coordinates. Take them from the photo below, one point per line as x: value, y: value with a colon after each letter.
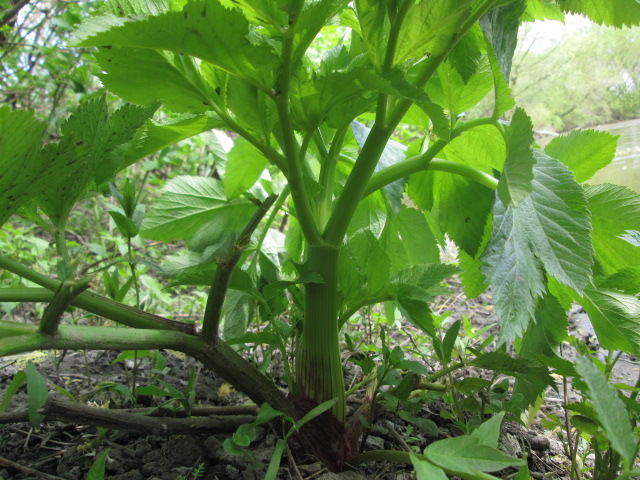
x: 67, y: 449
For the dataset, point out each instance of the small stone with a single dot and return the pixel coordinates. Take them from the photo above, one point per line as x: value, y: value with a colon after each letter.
x: 374, y: 443
x: 540, y: 443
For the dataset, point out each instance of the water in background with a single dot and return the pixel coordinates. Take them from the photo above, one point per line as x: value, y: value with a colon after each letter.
x: 625, y: 167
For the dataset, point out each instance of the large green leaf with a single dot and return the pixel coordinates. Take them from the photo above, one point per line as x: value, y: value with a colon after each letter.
x: 467, y: 455
x: 374, y: 27
x: 310, y: 21
x: 615, y: 318
x: 532, y: 377
x: 616, y: 13
x: 238, y: 312
x: 99, y: 133
x: 503, y: 101
x: 187, y: 204
x: 549, y: 229
x: 20, y: 162
x: 556, y: 219
x: 408, y: 240
x: 501, y: 28
x: 542, y: 10
x: 262, y: 12
x: 449, y: 89
x: 364, y: 269
x: 428, y: 27
x: 467, y: 53
x: 515, y: 182
x: 610, y: 410
x: 143, y: 76
x: 203, y: 29
x: 245, y: 164
x: 154, y: 136
x: 614, y: 211
x: 514, y: 273
x: 549, y: 329
x: 583, y: 151
x: 626, y: 280
x: 342, y: 94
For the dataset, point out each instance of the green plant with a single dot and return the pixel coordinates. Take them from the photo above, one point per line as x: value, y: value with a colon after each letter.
x: 366, y: 213
x: 197, y: 472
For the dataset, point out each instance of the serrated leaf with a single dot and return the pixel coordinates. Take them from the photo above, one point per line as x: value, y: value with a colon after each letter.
x: 238, y: 312
x: 449, y: 90
x: 341, y: 96
x: 462, y: 207
x: 262, y: 12
x: 374, y: 28
x: 311, y: 20
x: 548, y: 331
x: 186, y: 204
x: 245, y: 164
x: 503, y: 101
x: 614, y: 211
x: 549, y: 229
x: 132, y: 8
x: 473, y: 281
x: 514, y: 273
x: 501, y: 26
x: 557, y: 208
x: 611, y: 412
x: 532, y: 377
x: 92, y: 132
x: 583, y: 151
x: 626, y: 280
x: 615, y: 13
x: 20, y: 164
x: 542, y: 10
x: 408, y: 240
x: 615, y: 318
x: 515, y: 181
x: 203, y: 29
x: 154, y: 136
x: 363, y: 269
x: 467, y: 455
x: 467, y: 53
x: 428, y: 27
x: 426, y: 470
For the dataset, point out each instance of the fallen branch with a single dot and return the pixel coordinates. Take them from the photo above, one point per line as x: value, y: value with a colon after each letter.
x: 56, y: 409
x: 26, y: 470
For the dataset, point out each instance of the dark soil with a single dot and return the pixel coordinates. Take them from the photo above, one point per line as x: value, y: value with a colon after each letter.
x: 67, y: 452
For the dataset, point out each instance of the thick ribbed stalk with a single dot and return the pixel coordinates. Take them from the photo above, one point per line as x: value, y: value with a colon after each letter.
x: 319, y: 369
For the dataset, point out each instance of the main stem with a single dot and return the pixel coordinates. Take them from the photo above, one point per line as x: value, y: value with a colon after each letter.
x: 319, y: 369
